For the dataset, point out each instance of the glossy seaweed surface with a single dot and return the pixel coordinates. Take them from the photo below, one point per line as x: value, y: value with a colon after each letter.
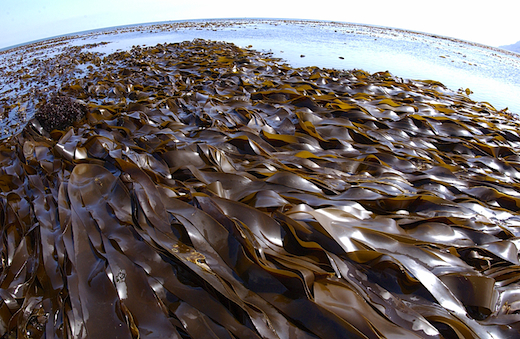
x: 214, y: 192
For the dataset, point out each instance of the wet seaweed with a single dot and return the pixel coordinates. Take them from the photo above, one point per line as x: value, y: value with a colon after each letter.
x: 212, y: 191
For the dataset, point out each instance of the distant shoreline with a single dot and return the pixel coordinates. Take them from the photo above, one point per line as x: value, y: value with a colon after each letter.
x: 488, y: 73
x: 238, y: 21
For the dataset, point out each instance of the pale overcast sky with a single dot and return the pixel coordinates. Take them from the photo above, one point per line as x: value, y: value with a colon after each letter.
x: 492, y: 23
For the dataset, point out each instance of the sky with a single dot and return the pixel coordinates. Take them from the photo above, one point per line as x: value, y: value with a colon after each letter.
x: 493, y: 23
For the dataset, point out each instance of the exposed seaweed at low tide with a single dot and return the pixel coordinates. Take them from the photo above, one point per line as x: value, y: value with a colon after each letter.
x: 213, y: 192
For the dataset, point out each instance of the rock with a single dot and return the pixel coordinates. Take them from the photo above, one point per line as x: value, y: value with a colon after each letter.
x: 59, y: 112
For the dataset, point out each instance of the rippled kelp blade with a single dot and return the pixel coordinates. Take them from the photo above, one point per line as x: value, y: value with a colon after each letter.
x: 211, y: 191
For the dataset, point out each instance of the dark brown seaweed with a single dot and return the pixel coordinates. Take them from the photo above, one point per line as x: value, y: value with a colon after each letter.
x: 213, y: 192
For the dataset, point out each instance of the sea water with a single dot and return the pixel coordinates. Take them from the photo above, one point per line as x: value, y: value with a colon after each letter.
x: 492, y: 74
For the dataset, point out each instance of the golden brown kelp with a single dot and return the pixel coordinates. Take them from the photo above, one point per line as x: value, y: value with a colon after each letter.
x: 212, y: 192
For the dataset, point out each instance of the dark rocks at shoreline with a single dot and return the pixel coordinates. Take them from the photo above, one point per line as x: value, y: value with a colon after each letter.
x: 60, y: 112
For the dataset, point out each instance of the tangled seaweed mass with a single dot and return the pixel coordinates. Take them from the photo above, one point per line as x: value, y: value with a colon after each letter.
x: 215, y: 192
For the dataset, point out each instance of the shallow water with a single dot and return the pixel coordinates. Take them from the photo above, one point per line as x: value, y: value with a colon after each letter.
x: 492, y: 74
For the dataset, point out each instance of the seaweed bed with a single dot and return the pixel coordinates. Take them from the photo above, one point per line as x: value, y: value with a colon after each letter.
x: 211, y: 191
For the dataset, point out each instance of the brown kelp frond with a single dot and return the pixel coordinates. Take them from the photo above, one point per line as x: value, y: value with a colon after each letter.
x: 213, y: 192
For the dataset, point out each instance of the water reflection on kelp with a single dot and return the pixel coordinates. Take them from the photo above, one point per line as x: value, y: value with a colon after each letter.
x: 211, y: 192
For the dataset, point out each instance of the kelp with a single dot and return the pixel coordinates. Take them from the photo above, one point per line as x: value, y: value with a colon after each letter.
x: 214, y: 192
